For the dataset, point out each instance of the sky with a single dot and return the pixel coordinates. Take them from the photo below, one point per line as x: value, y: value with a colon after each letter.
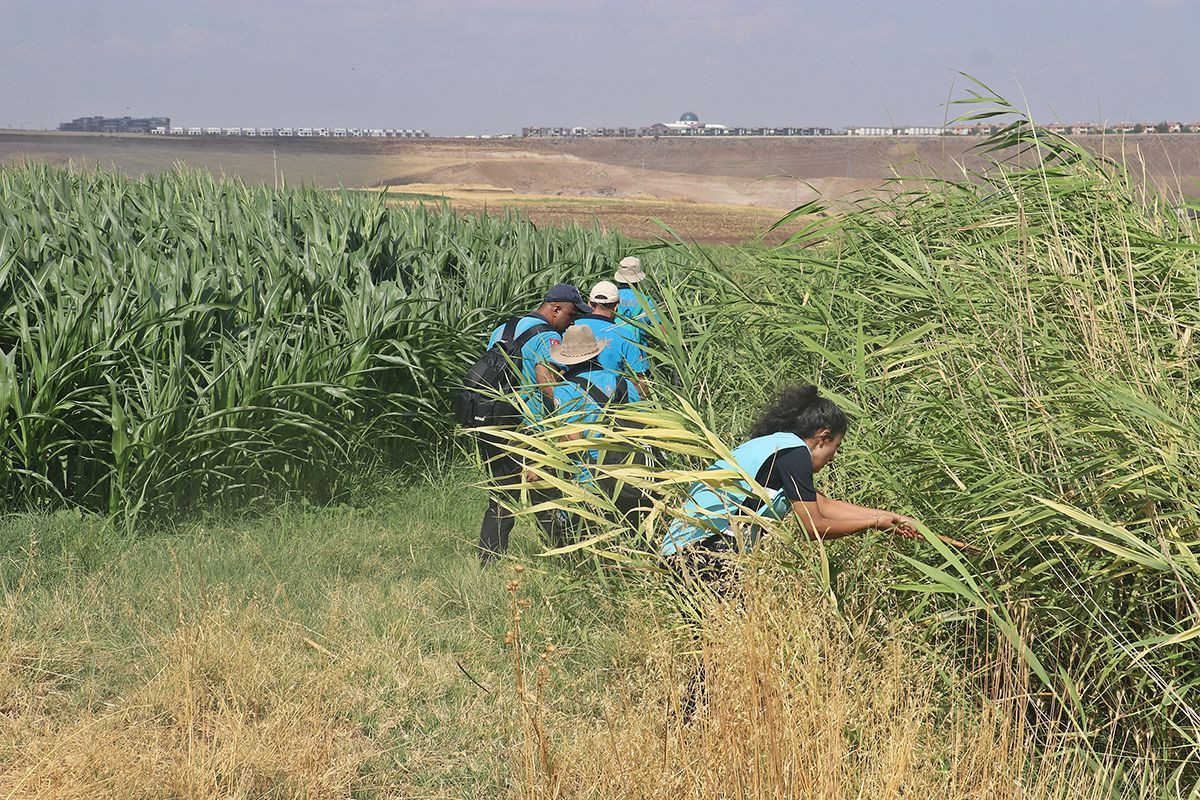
x: 456, y: 67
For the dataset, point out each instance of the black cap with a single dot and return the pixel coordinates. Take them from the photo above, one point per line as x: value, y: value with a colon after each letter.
x: 566, y: 293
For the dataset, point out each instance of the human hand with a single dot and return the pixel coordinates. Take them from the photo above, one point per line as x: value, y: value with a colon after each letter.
x: 885, y: 520
x: 908, y: 528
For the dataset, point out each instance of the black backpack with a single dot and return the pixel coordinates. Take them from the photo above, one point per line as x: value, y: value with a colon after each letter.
x: 481, y: 401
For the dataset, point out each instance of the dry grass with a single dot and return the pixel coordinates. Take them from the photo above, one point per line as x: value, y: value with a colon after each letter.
x: 322, y: 654
x: 635, y: 217
x: 798, y: 706
x: 227, y: 710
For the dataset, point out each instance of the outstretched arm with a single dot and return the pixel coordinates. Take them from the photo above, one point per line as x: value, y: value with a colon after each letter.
x: 833, y: 509
x: 840, y: 509
x: 821, y: 526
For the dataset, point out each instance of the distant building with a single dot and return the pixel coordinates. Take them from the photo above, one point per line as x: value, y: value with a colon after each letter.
x: 116, y: 124
x: 690, y: 124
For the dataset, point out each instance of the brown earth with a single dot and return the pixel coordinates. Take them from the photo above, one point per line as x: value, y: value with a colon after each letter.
x: 707, y: 189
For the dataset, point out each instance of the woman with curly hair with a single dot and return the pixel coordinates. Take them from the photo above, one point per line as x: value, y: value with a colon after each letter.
x: 796, y: 436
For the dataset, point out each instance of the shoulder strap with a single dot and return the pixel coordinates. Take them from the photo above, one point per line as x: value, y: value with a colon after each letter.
x: 593, y: 391
x: 529, y: 333
x: 513, y: 346
x: 622, y: 393
x: 510, y: 328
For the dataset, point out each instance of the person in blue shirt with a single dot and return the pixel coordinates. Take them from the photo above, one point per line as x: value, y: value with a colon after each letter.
x: 624, y: 354
x: 586, y: 391
x: 796, y: 436
x: 558, y: 309
x: 635, y: 305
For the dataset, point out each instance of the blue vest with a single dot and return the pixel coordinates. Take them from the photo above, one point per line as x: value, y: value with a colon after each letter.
x: 636, y: 304
x: 576, y: 405
x: 708, y: 511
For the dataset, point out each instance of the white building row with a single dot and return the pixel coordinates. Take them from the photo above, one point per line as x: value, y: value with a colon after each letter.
x: 917, y: 131
x: 357, y: 133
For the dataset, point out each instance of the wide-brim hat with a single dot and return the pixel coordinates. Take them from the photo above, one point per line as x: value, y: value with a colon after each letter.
x: 578, y: 344
x: 630, y: 270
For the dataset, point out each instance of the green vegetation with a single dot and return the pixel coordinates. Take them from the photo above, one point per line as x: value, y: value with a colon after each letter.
x: 1017, y: 348
x: 172, y: 339
x: 307, y: 652
x: 359, y: 651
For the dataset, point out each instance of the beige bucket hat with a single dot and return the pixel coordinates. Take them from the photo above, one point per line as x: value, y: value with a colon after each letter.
x: 630, y: 270
x: 578, y: 344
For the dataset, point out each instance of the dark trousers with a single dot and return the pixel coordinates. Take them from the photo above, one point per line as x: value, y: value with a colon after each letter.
x: 506, y: 475
x: 702, y: 568
x: 632, y: 504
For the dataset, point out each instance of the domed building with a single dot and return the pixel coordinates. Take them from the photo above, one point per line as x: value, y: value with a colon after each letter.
x: 688, y: 122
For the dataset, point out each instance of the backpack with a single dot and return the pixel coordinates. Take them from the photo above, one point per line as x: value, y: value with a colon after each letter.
x: 481, y: 401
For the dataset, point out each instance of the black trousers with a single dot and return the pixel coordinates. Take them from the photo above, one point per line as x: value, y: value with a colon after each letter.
x: 506, y: 474
x: 702, y: 568
x: 632, y: 504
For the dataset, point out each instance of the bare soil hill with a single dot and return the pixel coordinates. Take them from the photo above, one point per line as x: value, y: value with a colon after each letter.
x: 694, y: 182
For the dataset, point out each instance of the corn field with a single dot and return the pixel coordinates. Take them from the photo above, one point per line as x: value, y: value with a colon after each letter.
x: 177, y: 341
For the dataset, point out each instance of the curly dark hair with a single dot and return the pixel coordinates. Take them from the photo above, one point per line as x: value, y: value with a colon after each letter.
x: 800, y: 410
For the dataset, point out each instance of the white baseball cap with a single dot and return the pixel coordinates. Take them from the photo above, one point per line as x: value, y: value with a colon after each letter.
x: 605, y: 292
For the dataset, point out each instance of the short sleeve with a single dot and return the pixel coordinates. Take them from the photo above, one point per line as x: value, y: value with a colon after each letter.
x: 538, y: 348
x: 795, y: 472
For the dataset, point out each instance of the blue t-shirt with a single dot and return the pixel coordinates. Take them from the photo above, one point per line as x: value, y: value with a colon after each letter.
x: 623, y: 354
x: 535, y: 351
x: 639, y: 309
x: 574, y: 403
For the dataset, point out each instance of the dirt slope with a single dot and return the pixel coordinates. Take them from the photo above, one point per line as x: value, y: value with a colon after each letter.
x: 769, y: 174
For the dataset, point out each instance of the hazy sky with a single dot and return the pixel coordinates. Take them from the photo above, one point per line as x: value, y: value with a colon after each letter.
x: 470, y: 66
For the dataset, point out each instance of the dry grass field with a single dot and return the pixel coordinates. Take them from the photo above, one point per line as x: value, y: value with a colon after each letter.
x: 705, y: 190
x: 221, y: 660
x: 637, y: 217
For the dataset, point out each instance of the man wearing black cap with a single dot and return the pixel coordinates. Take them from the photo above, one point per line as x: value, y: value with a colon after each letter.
x: 558, y: 310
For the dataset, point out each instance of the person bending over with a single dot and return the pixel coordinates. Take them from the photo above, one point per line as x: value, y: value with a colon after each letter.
x: 796, y: 436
